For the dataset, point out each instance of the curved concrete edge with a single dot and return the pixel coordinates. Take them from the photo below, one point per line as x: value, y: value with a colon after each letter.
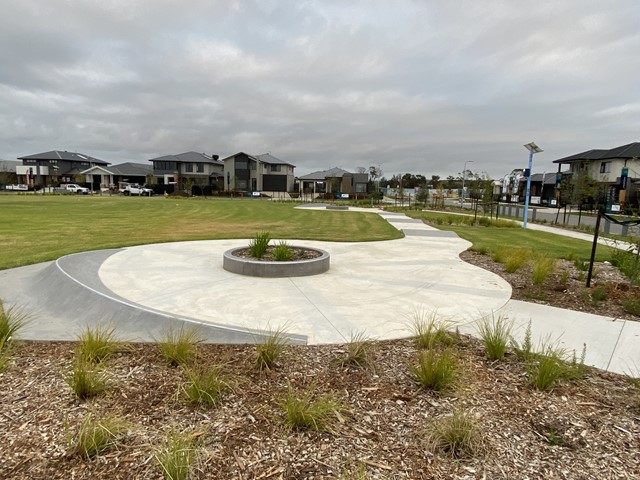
x: 61, y: 304
x: 257, y: 268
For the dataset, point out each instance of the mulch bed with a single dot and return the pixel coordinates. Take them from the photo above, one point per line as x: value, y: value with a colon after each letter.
x: 589, y: 429
x: 297, y: 253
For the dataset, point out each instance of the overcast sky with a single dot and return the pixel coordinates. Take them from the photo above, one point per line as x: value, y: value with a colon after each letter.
x: 412, y: 86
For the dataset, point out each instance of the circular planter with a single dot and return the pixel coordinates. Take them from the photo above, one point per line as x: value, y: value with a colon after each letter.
x: 271, y: 269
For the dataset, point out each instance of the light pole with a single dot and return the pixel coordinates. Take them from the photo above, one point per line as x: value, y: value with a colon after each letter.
x: 464, y: 175
x: 533, y: 148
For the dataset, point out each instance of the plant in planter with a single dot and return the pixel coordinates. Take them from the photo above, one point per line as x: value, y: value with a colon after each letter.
x: 259, y: 244
x: 282, y: 252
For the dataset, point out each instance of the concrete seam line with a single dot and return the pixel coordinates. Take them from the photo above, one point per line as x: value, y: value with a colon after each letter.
x: 146, y: 309
x: 624, y: 323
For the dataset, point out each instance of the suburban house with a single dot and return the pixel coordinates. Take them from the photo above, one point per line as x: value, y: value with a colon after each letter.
x: 257, y: 173
x: 101, y: 178
x: 8, y: 172
x: 54, y: 167
x: 335, y: 180
x: 618, y: 169
x: 189, y: 167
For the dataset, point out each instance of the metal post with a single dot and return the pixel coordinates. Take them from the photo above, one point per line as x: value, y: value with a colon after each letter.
x: 526, y: 198
x: 593, y: 249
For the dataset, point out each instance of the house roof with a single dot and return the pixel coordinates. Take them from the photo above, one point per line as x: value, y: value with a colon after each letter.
x: 549, y: 178
x: 323, y: 174
x: 64, y: 155
x: 188, y: 157
x: 124, y: 169
x: 271, y: 160
x: 625, y: 151
x: 237, y: 154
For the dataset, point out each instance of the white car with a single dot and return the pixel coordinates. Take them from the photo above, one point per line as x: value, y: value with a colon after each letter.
x: 75, y: 188
x: 135, y: 189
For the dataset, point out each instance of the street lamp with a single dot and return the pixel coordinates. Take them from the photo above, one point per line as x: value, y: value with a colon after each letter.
x: 464, y: 175
x: 533, y: 148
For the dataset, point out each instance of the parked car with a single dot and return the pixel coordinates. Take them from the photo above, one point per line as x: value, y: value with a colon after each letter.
x: 75, y: 188
x: 135, y: 189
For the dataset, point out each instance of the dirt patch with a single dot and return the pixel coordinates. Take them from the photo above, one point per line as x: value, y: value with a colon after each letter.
x: 586, y: 429
x: 566, y: 286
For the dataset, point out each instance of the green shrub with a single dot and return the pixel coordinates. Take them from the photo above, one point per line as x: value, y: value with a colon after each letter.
x: 548, y: 367
x: 599, y: 294
x: 436, y: 370
x: 542, y: 268
x: 581, y: 265
x: 500, y: 255
x: 96, y: 344
x: 282, y: 252
x: 86, y: 379
x: 302, y: 412
x: 516, y: 259
x: 632, y: 306
x: 97, y: 435
x: 259, y: 244
x: 12, y: 321
x: 457, y: 435
x: 360, y: 352
x: 176, y: 456
x: 430, y: 331
x: 179, y: 346
x: 504, y: 224
x: 524, y: 350
x: 205, y: 385
x: 495, y: 334
x: 6, y: 348
x: 270, y: 349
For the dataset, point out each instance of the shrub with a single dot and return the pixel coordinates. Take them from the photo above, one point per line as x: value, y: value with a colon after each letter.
x: 176, y: 456
x: 205, y: 385
x: 360, y: 352
x: 302, y: 412
x: 456, y: 435
x: 599, y: 294
x: 282, y: 252
x: 632, y: 306
x: 430, y: 331
x: 548, y: 367
x: 270, y: 349
x: 437, y: 371
x: 5, y: 354
x: 86, y: 379
x: 96, y: 435
x: 259, y: 244
x: 542, y: 268
x: 524, y: 350
x: 12, y: 321
x: 495, y: 334
x: 500, y: 255
x: 96, y: 344
x: 581, y: 265
x: 179, y: 346
x: 516, y: 259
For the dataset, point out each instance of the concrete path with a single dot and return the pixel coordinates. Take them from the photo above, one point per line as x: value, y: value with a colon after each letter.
x: 372, y: 287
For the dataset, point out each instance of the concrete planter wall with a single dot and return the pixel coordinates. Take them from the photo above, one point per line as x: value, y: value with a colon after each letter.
x: 268, y: 269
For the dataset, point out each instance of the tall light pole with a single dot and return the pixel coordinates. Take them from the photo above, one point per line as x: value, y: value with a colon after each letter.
x: 533, y: 148
x: 464, y: 175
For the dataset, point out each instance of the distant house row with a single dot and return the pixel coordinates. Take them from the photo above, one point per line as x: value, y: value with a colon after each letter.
x: 238, y: 172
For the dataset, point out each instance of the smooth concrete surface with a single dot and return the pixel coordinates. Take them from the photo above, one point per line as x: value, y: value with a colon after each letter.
x: 372, y: 287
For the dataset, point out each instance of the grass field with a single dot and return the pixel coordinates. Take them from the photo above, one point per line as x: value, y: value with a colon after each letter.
x: 40, y: 228
x: 491, y: 239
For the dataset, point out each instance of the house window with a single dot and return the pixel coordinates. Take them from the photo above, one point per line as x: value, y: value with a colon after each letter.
x: 361, y: 188
x: 605, y: 167
x: 188, y: 167
x: 276, y: 168
x: 200, y: 167
x: 241, y: 165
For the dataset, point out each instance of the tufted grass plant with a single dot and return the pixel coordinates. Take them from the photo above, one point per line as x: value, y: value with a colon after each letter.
x: 205, y: 385
x: 548, y: 366
x: 12, y: 320
x: 97, y: 435
x: 457, y: 435
x: 97, y: 343
x: 258, y: 245
x: 436, y: 370
x: 429, y: 330
x: 542, y: 268
x: 282, y: 252
x: 86, y: 379
x: 516, y: 259
x: 360, y: 352
x: 524, y: 349
x: 5, y: 354
x: 270, y: 348
x: 632, y: 306
x: 495, y: 333
x: 303, y: 412
x: 599, y: 294
x: 176, y: 456
x: 179, y: 346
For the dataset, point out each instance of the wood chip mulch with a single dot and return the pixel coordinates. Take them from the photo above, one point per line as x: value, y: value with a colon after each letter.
x: 581, y: 430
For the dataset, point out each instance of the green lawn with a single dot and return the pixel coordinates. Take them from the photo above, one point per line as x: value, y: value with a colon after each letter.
x: 40, y: 228
x: 491, y: 239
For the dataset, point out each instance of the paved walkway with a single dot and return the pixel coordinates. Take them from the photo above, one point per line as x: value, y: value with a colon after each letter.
x: 372, y: 287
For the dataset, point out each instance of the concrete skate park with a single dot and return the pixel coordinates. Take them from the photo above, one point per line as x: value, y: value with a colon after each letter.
x: 371, y: 288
